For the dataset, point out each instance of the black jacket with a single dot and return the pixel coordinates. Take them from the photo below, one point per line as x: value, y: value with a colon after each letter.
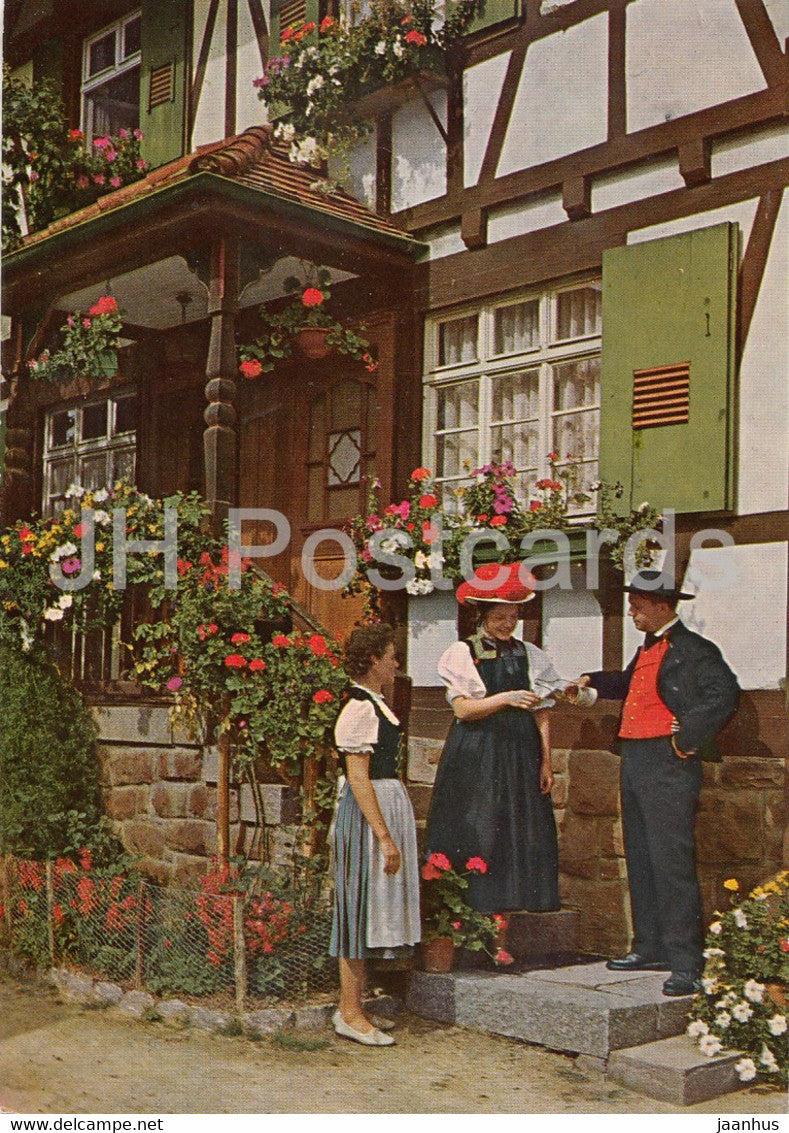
x: 695, y: 684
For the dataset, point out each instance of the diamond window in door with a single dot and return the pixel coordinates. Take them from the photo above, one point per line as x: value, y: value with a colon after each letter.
x: 345, y: 453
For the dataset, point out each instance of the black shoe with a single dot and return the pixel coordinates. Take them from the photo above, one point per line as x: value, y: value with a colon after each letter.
x: 633, y: 962
x: 682, y: 983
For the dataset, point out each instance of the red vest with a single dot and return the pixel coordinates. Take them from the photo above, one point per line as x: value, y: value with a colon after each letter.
x: 644, y: 715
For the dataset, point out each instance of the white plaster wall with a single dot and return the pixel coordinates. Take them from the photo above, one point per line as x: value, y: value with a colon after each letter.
x: 528, y: 216
x: 250, y: 111
x: 481, y: 89
x: 731, y: 155
x: 572, y: 629
x: 432, y: 628
x: 636, y: 184
x: 419, y: 154
x: 210, y: 118
x: 778, y: 11
x: 358, y: 176
x: 445, y: 241
x: 684, y: 55
x: 763, y: 437
x: 562, y: 101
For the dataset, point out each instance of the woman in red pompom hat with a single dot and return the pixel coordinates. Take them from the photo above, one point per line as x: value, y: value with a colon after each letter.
x: 492, y: 795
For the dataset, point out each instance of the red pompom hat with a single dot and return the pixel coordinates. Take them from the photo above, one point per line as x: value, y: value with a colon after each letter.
x: 518, y: 584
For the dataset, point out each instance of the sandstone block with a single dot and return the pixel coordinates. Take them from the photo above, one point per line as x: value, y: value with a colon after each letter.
x: 560, y: 791
x: 107, y: 994
x: 187, y: 869
x: 267, y: 1021
x: 580, y: 850
x: 136, y: 1004
x: 130, y: 766
x: 140, y: 723
x: 191, y: 836
x: 730, y: 830
x: 169, y: 800
x: 141, y: 837
x: 420, y: 794
x: 594, y: 782
x: 181, y: 763
x: 756, y: 773
x: 612, y: 839
x: 604, y: 907
x: 560, y: 760
x: 173, y: 1012
x: 156, y: 871
x: 423, y: 756
x: 125, y: 802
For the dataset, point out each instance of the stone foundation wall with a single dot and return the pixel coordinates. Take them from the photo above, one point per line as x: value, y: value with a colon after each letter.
x: 160, y: 792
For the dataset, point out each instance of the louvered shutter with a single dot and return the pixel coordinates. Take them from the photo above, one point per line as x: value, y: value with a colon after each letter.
x: 667, y: 422
x: 163, y: 80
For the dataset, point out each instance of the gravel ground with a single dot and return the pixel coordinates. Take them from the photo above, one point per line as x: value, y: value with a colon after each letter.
x: 61, y: 1059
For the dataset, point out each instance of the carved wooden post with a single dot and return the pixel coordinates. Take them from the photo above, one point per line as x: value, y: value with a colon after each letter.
x: 223, y: 791
x: 219, y: 438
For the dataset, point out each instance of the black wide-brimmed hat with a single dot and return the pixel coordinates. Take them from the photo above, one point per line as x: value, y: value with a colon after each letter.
x: 655, y: 584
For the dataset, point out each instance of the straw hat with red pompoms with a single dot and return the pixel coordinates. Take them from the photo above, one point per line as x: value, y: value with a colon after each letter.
x: 498, y: 582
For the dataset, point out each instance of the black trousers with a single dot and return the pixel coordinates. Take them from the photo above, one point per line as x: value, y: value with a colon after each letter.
x: 660, y: 794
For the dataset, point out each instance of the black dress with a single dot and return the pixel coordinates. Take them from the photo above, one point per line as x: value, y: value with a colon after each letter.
x: 487, y: 800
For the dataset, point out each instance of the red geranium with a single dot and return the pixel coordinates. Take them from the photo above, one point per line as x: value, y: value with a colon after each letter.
x: 416, y: 37
x: 240, y: 638
x: 477, y: 865
x: 420, y: 474
x: 318, y: 645
x: 250, y: 368
x: 235, y: 661
x: 428, y: 501
x: 312, y: 296
x: 503, y: 957
x: 440, y: 861
x: 323, y: 696
x: 498, y: 521
x: 106, y: 305
x: 257, y: 665
x: 280, y: 640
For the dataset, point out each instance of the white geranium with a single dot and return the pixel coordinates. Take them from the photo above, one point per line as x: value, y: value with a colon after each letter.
x: 746, y: 1069
x: 742, y: 1012
x: 64, y: 551
x: 27, y: 637
x: 398, y: 48
x: 777, y: 1025
x: 740, y: 918
x: 102, y: 517
x: 419, y: 586
x: 754, y: 991
x: 709, y: 984
x: 97, y: 576
x: 100, y: 496
x: 75, y: 492
x: 314, y: 85
x: 65, y: 601
x: 722, y: 1020
x: 767, y: 1059
x: 286, y: 131
x: 53, y: 614
x: 711, y: 953
x: 420, y: 560
x: 697, y: 1027
x: 716, y: 928
x: 380, y: 48
x: 710, y: 1045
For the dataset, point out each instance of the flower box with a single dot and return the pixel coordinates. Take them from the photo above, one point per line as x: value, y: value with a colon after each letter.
x: 387, y: 98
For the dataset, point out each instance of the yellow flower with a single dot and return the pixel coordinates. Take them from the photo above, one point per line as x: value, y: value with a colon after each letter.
x: 99, y: 547
x: 3, y: 564
x: 731, y: 883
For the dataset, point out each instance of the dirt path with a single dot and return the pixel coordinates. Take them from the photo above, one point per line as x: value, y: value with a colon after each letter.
x: 56, y: 1058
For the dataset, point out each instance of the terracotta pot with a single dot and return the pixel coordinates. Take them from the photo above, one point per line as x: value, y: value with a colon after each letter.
x: 438, y: 954
x: 311, y: 341
x: 777, y: 992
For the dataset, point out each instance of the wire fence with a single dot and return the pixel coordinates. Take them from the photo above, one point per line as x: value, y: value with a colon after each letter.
x: 217, y: 942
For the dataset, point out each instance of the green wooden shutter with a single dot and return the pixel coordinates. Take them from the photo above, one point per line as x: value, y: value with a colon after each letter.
x: 164, y: 78
x: 292, y: 14
x: 668, y: 317
x: 492, y: 12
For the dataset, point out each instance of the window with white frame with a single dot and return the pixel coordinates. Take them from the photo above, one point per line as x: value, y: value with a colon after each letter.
x: 92, y: 443
x: 514, y: 380
x: 111, y: 79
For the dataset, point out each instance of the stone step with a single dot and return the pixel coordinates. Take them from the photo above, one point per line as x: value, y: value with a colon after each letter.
x: 581, y: 1008
x: 674, y: 1070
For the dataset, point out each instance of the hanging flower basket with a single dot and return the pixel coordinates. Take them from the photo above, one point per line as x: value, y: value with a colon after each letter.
x: 312, y: 342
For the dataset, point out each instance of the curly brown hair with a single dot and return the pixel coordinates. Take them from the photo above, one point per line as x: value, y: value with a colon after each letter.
x: 364, y: 645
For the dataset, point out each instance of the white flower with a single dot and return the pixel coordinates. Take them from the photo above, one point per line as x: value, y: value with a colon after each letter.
x: 286, y: 131
x: 420, y: 560
x: 419, y: 586
x: 716, y: 928
x: 314, y: 84
x: 746, y: 1069
x: 436, y: 560
x: 777, y: 1025
x: 311, y: 52
x: 100, y: 496
x: 333, y: 69
x: 595, y: 486
x: 63, y: 552
x: 767, y: 1058
x: 643, y: 507
x: 308, y: 109
x: 740, y: 918
x: 380, y: 48
x: 391, y: 545
x: 697, y: 1027
x: 102, y: 517
x: 753, y: 991
x: 27, y: 637
x: 709, y: 953
x: 398, y: 49
x: 75, y: 492
x: 726, y: 1000
x: 709, y: 984
x: 65, y: 601
x: 723, y: 1020
x: 53, y: 614
x: 742, y: 1012
x: 96, y: 575
x: 710, y: 1045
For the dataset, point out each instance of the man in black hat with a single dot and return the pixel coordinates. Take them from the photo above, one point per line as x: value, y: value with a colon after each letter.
x: 678, y: 692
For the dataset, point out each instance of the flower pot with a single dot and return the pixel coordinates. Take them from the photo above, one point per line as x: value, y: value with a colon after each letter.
x: 311, y: 341
x: 438, y: 954
x: 776, y: 990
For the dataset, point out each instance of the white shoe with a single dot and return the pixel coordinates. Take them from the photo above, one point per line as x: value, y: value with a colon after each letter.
x: 366, y: 1038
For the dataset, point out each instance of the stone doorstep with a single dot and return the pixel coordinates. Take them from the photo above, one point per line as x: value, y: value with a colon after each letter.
x: 674, y: 1070
x: 567, y: 1009
x: 138, y: 724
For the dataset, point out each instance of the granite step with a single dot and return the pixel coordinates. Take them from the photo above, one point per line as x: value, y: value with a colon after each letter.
x: 674, y: 1070
x: 580, y: 1009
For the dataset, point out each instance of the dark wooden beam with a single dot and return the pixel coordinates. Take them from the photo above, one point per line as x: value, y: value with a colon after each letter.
x: 617, y: 84
x: 383, y: 164
x: 694, y: 162
x: 474, y: 228
x: 577, y: 197
x: 754, y: 262
x: 202, y: 61
x: 220, y: 440
x: 258, y: 17
x: 231, y: 68
x: 764, y: 41
x: 503, y: 115
x: 455, y: 147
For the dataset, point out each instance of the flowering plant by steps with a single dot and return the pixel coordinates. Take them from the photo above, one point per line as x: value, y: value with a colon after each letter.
x: 446, y: 912
x: 306, y: 310
x: 743, y: 1004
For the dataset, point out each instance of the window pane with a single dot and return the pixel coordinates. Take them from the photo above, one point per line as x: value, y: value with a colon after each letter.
x: 61, y: 475
x: 516, y: 327
x: 114, y: 105
x: 101, y: 54
x: 125, y: 414
x: 579, y: 312
x: 94, y: 421
x: 456, y: 453
x: 516, y: 396
x: 576, y: 384
x: 576, y: 435
x: 123, y: 466
x: 64, y: 425
x: 344, y: 457
x: 519, y: 444
x: 458, y: 406
x: 346, y: 405
x: 93, y: 471
x: 457, y: 341
x: 131, y: 37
